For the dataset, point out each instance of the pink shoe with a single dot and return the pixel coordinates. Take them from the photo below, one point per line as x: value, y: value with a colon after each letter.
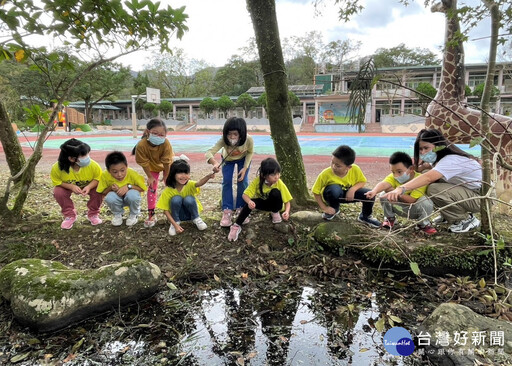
x: 276, y: 217
x: 226, y: 218
x: 95, y: 220
x: 233, y: 232
x: 68, y: 223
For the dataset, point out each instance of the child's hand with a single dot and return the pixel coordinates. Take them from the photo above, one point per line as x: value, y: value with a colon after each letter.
x: 122, y: 191
x: 151, y: 181
x: 114, y: 187
x: 216, y: 168
x: 349, y: 196
x: 85, y: 191
x: 330, y: 211
x: 76, y: 189
x: 241, y: 174
x: 211, y: 176
x: 251, y: 204
x: 370, y: 194
x: 286, y: 215
x: 178, y: 228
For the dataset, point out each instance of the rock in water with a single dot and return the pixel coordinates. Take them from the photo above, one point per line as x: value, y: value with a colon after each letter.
x: 455, y: 335
x: 47, y: 295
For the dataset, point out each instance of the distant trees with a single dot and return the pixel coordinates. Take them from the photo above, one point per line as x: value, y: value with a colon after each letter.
x: 403, y: 56
x: 246, y: 102
x: 225, y: 104
x: 208, y: 105
x: 426, y: 93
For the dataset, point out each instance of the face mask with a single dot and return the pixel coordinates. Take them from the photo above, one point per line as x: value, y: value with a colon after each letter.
x: 83, y: 161
x: 156, y: 140
x: 233, y: 142
x: 403, y: 178
x: 429, y: 157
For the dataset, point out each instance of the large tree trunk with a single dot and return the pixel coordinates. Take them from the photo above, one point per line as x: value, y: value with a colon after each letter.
x: 286, y: 144
x: 12, y: 148
x: 484, y: 105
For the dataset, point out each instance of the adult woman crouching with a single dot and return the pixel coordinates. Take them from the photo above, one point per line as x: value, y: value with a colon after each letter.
x: 455, y: 180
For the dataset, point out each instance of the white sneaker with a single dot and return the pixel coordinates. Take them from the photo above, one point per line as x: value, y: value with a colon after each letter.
x: 172, y: 229
x: 131, y: 220
x: 117, y: 220
x: 199, y: 223
x: 465, y: 225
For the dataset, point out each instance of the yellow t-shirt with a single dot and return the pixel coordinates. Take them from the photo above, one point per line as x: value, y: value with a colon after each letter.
x: 235, y: 153
x: 327, y: 178
x: 153, y: 157
x: 81, y: 178
x: 132, y: 177
x: 190, y: 189
x: 253, y: 190
x: 416, y: 193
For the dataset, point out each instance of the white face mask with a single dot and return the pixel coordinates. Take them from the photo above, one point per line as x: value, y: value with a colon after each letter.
x: 403, y: 178
x: 233, y: 142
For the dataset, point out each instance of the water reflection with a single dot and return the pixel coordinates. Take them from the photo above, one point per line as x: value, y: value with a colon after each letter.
x: 281, y: 327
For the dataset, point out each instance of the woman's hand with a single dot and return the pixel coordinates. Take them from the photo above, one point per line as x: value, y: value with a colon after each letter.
x: 393, y: 195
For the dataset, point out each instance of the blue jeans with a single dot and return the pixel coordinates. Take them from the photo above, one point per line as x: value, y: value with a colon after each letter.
x: 117, y: 204
x: 227, y: 184
x: 334, y: 194
x: 184, y: 208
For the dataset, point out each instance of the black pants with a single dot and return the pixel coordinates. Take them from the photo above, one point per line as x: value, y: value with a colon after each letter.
x: 334, y: 195
x: 273, y: 203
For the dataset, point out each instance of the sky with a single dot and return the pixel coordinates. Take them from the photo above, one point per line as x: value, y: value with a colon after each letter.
x: 218, y: 29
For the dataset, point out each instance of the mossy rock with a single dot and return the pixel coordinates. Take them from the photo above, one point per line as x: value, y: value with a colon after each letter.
x: 440, y: 254
x: 47, y: 295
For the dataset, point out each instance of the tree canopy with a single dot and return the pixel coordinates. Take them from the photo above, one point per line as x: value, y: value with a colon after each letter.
x: 401, y: 55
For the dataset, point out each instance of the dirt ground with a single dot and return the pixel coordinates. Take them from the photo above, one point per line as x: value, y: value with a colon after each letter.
x: 263, y: 256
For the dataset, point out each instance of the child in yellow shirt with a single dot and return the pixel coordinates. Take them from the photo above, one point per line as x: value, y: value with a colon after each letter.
x: 343, y: 182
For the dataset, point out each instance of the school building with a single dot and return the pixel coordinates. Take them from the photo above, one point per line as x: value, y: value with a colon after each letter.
x: 323, y: 105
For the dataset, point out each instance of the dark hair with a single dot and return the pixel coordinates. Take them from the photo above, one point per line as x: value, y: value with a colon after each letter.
x: 268, y: 166
x: 400, y: 157
x: 152, y: 123
x: 115, y: 157
x: 72, y: 148
x: 235, y: 124
x: 345, y: 154
x: 178, y: 166
x: 444, y: 146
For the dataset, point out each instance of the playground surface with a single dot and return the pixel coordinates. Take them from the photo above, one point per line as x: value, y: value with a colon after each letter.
x: 372, y: 150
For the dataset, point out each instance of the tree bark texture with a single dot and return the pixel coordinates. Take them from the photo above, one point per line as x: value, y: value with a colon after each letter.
x: 484, y: 105
x: 286, y: 144
x: 12, y: 147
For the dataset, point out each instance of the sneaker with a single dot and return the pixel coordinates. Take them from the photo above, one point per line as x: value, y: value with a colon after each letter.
x: 95, y: 220
x: 150, y: 222
x: 199, y: 223
x: 233, y: 232
x: 369, y: 220
x: 439, y: 220
x: 276, y: 217
x: 328, y: 217
x: 172, y: 229
x: 465, y: 225
x: 388, y: 223
x: 117, y: 220
x: 226, y: 218
x: 427, y: 229
x: 131, y: 220
x: 68, y: 223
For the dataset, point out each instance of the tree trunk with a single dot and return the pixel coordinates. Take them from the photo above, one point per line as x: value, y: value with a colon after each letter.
x: 286, y: 144
x: 12, y: 147
x: 484, y: 105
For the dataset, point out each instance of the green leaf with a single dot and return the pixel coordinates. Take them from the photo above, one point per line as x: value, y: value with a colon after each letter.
x: 19, y: 358
x: 414, y: 268
x: 172, y: 286
x: 476, y: 141
x: 379, y: 325
x: 481, y: 283
x: 77, y: 345
x: 395, y: 319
